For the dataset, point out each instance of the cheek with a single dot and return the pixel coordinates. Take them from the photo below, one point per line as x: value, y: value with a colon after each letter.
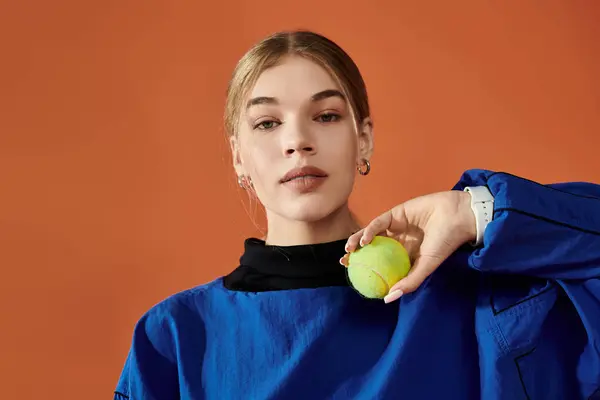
x: 258, y: 160
x: 342, y: 149
x: 339, y: 157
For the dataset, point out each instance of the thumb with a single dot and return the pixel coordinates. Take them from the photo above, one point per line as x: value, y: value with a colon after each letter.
x: 421, y: 269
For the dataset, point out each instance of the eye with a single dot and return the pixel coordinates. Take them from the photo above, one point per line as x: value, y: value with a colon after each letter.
x: 266, y: 125
x: 328, y: 117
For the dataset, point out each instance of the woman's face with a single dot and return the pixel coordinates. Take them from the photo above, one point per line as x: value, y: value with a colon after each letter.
x: 297, y: 142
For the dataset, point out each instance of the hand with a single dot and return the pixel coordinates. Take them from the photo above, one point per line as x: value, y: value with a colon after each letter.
x: 430, y: 227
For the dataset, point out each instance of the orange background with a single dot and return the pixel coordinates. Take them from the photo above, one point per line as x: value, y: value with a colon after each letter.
x: 115, y: 182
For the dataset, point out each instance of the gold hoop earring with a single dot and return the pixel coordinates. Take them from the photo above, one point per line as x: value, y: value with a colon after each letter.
x: 364, y: 167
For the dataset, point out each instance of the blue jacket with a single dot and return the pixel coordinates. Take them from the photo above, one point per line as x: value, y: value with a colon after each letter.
x: 518, y: 318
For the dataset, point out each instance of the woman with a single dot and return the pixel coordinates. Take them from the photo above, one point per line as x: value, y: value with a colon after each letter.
x: 512, y: 312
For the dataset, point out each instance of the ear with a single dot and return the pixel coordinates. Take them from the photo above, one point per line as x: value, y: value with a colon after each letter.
x: 234, y: 144
x: 365, y: 139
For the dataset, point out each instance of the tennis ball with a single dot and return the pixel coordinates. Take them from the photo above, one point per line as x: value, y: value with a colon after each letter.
x: 376, y: 267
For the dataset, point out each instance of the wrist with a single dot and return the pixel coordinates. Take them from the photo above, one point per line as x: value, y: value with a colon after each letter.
x: 469, y: 222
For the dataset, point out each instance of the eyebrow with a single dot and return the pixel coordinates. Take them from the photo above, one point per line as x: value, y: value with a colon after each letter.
x: 325, y: 94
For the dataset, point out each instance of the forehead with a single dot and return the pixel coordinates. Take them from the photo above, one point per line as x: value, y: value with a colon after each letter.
x: 293, y: 78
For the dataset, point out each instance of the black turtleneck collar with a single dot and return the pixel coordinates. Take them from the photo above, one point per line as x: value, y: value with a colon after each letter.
x: 264, y: 267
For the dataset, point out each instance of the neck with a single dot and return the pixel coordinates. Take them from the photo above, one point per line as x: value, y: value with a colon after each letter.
x: 337, y: 226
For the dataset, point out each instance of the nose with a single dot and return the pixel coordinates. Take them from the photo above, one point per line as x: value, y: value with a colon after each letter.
x: 300, y: 149
x: 298, y: 139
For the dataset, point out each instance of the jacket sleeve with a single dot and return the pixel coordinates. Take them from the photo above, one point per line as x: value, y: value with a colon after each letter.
x: 150, y: 370
x: 551, y: 232
x: 548, y: 231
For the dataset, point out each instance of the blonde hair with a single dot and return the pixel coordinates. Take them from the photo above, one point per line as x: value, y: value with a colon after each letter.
x: 315, y: 47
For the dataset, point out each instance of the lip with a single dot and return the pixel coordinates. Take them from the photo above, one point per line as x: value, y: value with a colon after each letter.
x: 303, y: 172
x: 304, y: 180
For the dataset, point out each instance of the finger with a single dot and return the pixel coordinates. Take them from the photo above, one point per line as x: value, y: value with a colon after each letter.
x: 345, y: 260
x: 394, y: 221
x: 422, y: 268
x: 353, y: 240
x: 375, y: 227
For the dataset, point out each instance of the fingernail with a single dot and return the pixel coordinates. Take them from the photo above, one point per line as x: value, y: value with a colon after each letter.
x: 393, y: 296
x: 346, y: 248
x: 361, y: 242
x: 342, y: 261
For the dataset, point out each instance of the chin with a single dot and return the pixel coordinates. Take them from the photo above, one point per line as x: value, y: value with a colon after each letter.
x: 309, y: 209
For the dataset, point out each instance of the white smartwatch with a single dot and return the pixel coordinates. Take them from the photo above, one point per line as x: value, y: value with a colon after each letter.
x: 482, y: 204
